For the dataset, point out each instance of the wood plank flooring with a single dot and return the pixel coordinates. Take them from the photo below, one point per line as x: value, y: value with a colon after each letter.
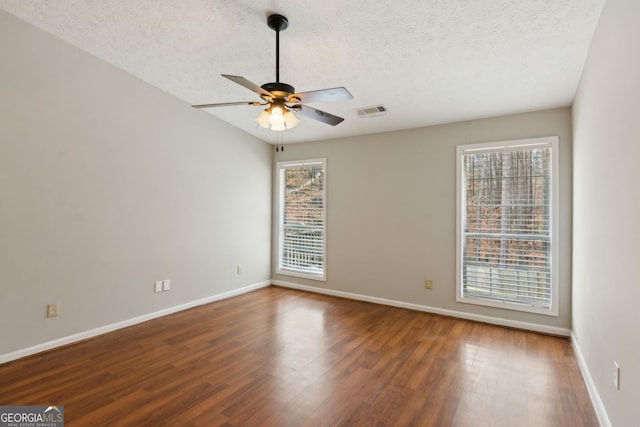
x: 280, y: 357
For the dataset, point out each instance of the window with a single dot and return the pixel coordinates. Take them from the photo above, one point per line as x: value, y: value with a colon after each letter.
x: 301, y: 218
x: 506, y: 222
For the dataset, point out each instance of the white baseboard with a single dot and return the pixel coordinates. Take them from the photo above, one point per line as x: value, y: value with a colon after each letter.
x: 129, y: 322
x: 601, y: 412
x: 428, y: 309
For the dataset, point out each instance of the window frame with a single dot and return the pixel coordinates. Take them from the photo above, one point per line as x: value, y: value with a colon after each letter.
x: 501, y: 146
x: 290, y: 164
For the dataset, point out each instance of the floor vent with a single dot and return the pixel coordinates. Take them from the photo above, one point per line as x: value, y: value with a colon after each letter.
x: 374, y: 111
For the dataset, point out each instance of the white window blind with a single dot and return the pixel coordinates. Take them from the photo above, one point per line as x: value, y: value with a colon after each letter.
x: 505, y: 225
x: 301, y: 218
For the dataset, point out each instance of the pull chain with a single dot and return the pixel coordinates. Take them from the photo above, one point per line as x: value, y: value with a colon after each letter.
x: 279, y: 141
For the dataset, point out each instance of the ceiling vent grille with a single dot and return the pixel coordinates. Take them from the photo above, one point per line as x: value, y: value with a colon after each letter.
x: 373, y: 111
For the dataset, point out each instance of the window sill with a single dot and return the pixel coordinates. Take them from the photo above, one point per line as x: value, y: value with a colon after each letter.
x: 318, y: 277
x: 508, y: 305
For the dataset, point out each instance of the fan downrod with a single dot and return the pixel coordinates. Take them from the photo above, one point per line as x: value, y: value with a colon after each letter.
x: 278, y: 23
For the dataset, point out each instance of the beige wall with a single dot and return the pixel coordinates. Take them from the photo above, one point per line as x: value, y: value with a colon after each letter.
x: 108, y: 184
x: 606, y: 288
x: 391, y: 211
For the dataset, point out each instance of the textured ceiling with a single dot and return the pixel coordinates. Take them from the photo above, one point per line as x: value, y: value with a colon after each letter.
x: 428, y: 61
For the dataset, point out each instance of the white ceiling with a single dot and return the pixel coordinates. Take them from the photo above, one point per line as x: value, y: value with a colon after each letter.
x: 428, y: 61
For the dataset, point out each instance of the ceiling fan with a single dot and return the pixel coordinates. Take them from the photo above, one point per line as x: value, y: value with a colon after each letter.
x: 281, y: 98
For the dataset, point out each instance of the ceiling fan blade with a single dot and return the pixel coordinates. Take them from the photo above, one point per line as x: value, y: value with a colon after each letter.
x: 226, y: 104
x: 324, y: 95
x: 321, y: 116
x: 249, y: 85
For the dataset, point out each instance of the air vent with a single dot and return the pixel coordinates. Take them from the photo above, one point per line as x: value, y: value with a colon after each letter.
x: 374, y: 111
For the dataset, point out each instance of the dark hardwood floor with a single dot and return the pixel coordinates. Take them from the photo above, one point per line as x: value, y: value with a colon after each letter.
x: 280, y: 357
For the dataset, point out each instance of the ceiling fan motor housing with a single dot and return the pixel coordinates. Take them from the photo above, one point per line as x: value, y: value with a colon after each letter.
x: 279, y: 90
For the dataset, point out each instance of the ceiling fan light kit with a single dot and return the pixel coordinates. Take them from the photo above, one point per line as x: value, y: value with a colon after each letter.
x: 281, y: 98
x: 277, y: 117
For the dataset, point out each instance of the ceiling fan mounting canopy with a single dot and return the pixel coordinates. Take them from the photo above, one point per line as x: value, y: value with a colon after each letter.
x: 277, y: 22
x: 282, y: 98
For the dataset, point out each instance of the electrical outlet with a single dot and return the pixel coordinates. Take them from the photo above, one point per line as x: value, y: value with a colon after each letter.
x: 52, y: 309
x: 428, y: 284
x: 616, y: 375
x: 166, y: 285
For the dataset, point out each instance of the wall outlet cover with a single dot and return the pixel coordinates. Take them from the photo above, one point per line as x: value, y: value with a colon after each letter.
x: 52, y: 309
